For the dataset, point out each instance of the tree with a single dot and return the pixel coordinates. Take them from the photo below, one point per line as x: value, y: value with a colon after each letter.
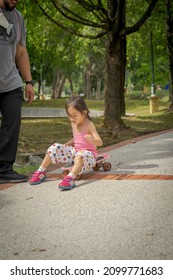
x: 139, y: 49
x: 139, y: 52
x: 52, y: 60
x: 96, y: 19
x: 94, y: 67
x: 169, y: 24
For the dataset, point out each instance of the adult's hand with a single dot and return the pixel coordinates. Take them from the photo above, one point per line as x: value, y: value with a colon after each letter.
x: 29, y: 92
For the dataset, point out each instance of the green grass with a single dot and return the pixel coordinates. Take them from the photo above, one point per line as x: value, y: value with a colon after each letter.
x: 144, y: 122
x: 60, y: 103
x: 26, y: 169
x: 139, y: 103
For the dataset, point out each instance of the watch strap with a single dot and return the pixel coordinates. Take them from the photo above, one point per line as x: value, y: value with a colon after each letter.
x: 29, y: 82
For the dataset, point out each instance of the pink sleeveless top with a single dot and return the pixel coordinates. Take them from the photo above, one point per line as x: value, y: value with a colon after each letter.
x: 80, y: 142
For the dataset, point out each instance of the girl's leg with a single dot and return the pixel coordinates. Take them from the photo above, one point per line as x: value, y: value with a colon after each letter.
x: 56, y: 153
x: 77, y: 167
x: 45, y: 163
x: 61, y: 153
x: 84, y: 160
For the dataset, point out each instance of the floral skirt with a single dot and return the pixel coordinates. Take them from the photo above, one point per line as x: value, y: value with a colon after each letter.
x: 60, y: 153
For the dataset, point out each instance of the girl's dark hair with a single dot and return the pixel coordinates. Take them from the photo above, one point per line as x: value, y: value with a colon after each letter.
x: 79, y: 104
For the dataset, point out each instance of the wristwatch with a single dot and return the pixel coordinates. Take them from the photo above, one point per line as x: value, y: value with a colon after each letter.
x: 29, y: 82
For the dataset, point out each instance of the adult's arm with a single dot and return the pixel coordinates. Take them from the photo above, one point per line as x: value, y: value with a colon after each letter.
x: 23, y: 64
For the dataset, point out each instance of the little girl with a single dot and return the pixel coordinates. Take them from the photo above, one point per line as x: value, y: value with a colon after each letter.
x: 81, y: 150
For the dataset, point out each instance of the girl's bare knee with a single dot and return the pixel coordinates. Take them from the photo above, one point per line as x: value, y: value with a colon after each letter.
x: 78, y: 159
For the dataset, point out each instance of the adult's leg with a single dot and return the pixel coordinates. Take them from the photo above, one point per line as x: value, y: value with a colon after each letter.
x: 10, y: 107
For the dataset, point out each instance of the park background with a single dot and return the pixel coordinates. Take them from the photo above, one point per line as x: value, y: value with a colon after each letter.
x: 127, y: 213
x: 115, y: 54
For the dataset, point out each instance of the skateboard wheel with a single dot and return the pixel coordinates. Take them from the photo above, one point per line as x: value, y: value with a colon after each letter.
x: 96, y: 167
x: 107, y: 166
x: 79, y: 177
x: 65, y: 172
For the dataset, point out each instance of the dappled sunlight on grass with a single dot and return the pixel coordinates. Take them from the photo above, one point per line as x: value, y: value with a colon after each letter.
x: 60, y: 103
x: 151, y: 123
x: 53, y: 103
x: 38, y: 135
x: 142, y: 107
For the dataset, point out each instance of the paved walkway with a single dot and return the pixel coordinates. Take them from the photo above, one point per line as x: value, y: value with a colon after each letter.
x: 50, y: 113
x: 126, y: 213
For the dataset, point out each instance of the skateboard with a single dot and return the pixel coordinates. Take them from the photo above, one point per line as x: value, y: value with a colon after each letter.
x: 100, y: 163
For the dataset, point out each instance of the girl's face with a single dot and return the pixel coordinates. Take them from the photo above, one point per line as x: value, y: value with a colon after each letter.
x: 76, y: 116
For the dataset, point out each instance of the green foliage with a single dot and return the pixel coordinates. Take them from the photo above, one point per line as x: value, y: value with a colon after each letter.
x: 51, y: 48
x: 139, y: 51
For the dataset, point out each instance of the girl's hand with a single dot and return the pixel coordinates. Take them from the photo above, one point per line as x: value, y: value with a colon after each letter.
x: 89, y: 138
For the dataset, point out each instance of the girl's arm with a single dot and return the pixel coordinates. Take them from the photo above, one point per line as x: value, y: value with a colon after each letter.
x: 70, y: 142
x: 93, y: 136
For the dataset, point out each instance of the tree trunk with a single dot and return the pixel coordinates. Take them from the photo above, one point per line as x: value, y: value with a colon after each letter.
x: 71, y: 86
x: 58, y: 85
x: 123, y: 74
x: 98, y: 91
x: 114, y: 83
x: 169, y: 24
x: 88, y: 84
